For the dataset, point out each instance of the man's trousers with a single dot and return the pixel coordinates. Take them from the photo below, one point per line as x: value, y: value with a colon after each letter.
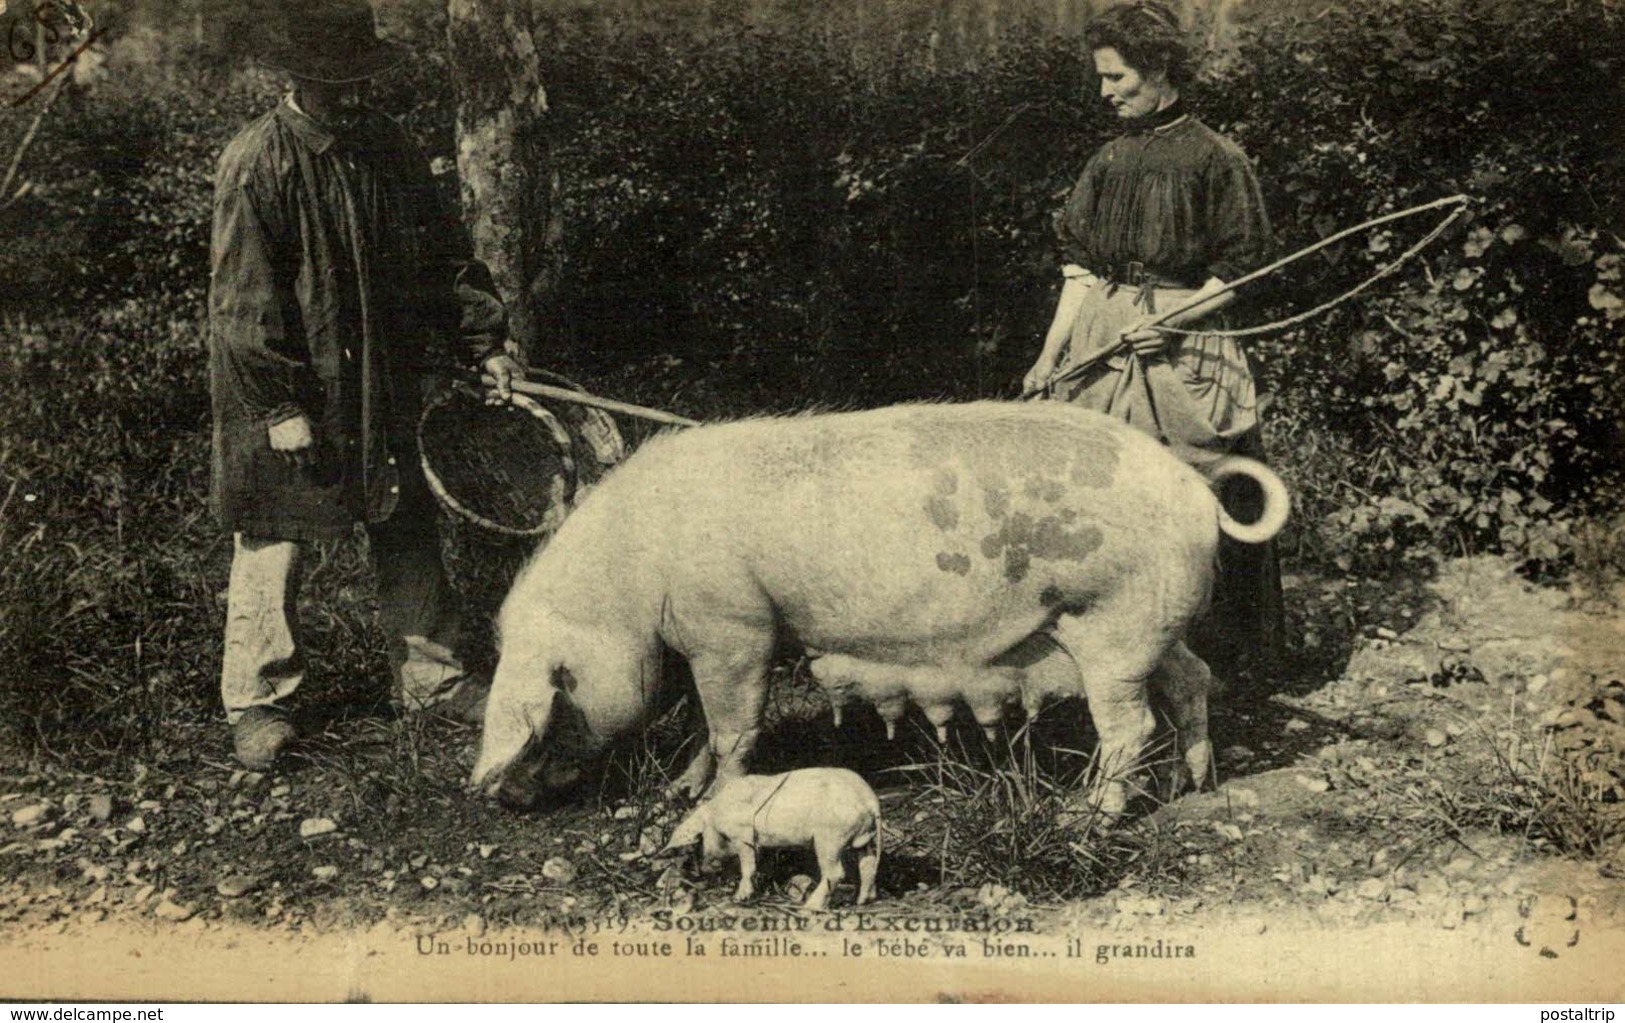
x: 264, y: 659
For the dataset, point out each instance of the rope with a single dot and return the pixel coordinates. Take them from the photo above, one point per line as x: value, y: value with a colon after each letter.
x: 1324, y: 307
x: 1459, y: 201
x: 754, y: 814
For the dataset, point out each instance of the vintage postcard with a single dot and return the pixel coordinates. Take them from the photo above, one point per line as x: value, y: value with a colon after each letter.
x: 736, y: 500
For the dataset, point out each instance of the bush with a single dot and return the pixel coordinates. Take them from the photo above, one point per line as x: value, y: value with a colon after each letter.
x: 107, y: 616
x: 1475, y: 398
x: 894, y: 231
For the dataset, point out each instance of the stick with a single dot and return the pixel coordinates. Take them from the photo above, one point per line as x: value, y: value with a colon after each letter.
x: 607, y: 404
x: 25, y: 97
x: 1265, y: 271
x: 23, y: 146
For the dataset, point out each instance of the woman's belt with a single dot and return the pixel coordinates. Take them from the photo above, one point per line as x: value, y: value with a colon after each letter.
x: 1134, y: 274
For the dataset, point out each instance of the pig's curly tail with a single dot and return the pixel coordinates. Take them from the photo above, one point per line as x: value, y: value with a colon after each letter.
x: 1277, y: 502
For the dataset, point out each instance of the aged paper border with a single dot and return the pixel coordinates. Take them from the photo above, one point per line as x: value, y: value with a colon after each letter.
x: 1379, y: 963
x: 1276, y: 961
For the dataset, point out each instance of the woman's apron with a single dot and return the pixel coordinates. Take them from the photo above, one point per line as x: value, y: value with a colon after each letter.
x: 1198, y: 396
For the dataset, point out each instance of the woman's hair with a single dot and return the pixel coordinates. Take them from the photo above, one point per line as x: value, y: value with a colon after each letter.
x: 1147, y: 35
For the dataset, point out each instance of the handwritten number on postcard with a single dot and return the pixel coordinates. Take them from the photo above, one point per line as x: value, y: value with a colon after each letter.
x: 52, y: 22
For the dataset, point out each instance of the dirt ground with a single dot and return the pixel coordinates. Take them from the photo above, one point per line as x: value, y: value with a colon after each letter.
x: 1444, y: 754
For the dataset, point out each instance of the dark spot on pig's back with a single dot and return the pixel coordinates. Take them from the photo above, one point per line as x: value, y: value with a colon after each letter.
x: 1044, y: 489
x: 942, y: 513
x: 957, y: 563
x: 1051, y: 539
x: 940, y: 507
x: 1016, y: 563
x: 1010, y: 542
x: 1020, y: 538
x: 993, y: 544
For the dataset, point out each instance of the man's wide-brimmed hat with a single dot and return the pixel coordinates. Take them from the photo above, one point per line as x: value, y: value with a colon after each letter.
x: 332, y: 41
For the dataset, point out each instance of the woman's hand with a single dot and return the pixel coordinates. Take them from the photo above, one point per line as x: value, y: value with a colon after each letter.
x: 1147, y: 342
x: 1060, y: 330
x: 1037, y: 378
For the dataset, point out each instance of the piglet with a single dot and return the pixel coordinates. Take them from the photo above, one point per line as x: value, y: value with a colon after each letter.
x: 828, y: 808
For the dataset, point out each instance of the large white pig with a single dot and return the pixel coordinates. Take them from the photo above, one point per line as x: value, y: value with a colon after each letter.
x: 919, y: 551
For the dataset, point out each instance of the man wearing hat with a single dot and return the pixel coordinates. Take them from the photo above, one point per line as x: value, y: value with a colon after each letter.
x: 338, y: 283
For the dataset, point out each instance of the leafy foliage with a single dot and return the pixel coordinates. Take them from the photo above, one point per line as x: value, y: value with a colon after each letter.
x: 1476, y: 400
x: 883, y: 219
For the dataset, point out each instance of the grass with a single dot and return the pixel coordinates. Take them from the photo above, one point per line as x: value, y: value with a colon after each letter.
x: 1549, y: 799
x: 1497, y: 783
x: 1016, y: 813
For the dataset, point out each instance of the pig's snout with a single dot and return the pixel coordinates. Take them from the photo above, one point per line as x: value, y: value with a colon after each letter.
x: 490, y: 773
x: 513, y: 726
x: 532, y: 748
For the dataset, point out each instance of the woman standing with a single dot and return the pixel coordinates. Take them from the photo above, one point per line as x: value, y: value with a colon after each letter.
x: 1162, y: 215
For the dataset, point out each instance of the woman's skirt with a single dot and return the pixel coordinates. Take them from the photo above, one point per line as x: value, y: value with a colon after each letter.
x: 1198, y: 396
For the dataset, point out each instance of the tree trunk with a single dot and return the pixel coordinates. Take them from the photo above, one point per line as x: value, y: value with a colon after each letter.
x: 509, y: 185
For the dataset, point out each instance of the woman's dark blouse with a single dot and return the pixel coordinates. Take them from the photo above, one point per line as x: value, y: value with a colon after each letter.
x: 1181, y: 199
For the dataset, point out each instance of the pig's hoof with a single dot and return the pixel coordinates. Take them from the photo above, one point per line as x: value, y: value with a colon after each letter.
x: 695, y: 780
x: 744, y: 895
x: 681, y: 789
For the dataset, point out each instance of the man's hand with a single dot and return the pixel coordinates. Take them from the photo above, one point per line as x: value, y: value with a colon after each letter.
x: 292, y: 440
x: 498, y: 374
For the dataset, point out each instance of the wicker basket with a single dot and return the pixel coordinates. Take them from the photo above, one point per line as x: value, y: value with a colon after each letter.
x: 514, y: 469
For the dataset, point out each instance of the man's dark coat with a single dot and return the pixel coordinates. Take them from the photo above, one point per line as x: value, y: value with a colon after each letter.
x: 338, y: 282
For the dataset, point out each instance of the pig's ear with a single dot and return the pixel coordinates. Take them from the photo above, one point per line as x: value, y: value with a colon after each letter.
x: 688, y: 831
